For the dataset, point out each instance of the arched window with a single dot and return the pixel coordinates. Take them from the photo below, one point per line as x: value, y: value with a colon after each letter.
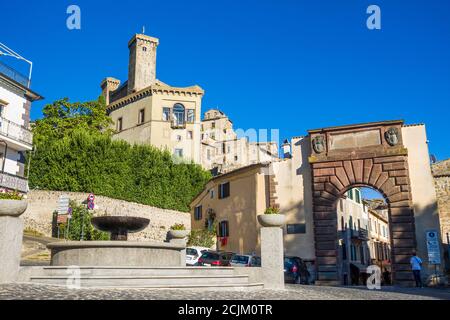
x: 179, y: 114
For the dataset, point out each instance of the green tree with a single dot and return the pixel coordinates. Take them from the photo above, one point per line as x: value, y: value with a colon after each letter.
x: 62, y: 117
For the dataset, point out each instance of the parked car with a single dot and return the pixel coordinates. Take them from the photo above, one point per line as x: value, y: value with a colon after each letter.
x: 245, y: 260
x: 295, y: 270
x: 214, y: 258
x: 193, y: 254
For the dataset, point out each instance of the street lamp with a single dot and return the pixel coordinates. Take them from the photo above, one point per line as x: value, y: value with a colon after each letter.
x: 5, y: 51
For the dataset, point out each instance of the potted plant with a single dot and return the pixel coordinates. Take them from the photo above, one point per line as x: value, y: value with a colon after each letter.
x: 12, y: 204
x: 272, y: 217
x: 178, y: 231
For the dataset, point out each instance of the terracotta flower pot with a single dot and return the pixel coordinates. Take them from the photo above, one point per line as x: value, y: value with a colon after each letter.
x: 13, y: 208
x: 178, y: 234
x: 272, y: 220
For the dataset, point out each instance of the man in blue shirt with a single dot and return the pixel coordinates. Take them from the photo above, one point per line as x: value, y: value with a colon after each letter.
x: 416, y: 266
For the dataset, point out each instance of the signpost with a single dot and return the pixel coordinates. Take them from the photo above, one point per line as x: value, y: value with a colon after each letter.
x: 90, y: 206
x: 434, y: 253
x: 62, y: 209
x: 63, y: 204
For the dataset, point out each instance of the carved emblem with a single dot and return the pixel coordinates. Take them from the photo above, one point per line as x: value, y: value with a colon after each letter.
x: 391, y: 136
x: 318, y: 144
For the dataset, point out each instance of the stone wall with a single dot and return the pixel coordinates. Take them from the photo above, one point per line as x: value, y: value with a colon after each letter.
x: 441, y: 172
x: 42, y: 204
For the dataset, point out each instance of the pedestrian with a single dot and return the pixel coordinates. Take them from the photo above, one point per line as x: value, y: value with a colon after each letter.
x: 387, y: 277
x: 416, y: 266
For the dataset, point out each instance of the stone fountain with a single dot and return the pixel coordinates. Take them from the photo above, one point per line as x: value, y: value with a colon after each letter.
x: 118, y: 252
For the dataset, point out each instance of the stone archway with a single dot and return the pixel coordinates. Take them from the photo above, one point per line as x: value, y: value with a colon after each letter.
x: 370, y: 155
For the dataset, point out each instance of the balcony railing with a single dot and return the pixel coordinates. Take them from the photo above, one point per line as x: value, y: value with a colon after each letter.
x: 15, y: 131
x: 361, y: 234
x: 14, y: 74
x: 12, y: 182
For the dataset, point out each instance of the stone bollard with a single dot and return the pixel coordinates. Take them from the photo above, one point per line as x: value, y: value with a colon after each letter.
x: 11, y: 234
x: 179, y: 237
x: 272, y: 251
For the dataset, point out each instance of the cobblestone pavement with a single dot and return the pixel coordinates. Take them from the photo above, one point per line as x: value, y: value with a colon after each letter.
x: 292, y: 292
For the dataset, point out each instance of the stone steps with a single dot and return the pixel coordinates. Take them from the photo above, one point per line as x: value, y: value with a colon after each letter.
x: 140, y: 271
x: 212, y: 278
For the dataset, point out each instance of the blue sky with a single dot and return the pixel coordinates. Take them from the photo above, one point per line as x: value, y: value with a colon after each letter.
x: 291, y: 65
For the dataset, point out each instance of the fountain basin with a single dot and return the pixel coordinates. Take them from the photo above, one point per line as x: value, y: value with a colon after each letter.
x: 117, y: 253
x: 119, y: 226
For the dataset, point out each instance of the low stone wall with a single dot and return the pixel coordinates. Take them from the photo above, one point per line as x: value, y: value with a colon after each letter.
x: 42, y: 204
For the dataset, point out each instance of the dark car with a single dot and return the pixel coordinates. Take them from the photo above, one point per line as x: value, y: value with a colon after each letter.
x: 214, y: 258
x: 295, y: 271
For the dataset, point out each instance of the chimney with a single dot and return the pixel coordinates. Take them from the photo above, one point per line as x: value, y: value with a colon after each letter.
x: 286, y: 147
x: 109, y: 85
x: 142, y: 62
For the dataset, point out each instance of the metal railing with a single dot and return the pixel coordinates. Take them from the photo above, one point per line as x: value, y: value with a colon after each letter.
x: 13, y: 182
x: 15, y: 131
x: 360, y: 233
x: 14, y: 74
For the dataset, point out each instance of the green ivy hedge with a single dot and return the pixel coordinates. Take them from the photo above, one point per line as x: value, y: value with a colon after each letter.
x: 84, y: 161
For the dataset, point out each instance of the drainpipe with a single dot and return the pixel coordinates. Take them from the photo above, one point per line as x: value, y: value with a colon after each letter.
x: 4, y: 157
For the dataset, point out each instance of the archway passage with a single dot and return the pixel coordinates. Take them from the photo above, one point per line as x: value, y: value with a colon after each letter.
x: 361, y: 156
x: 363, y: 236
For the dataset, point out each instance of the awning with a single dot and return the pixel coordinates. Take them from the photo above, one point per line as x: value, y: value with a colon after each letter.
x: 362, y: 268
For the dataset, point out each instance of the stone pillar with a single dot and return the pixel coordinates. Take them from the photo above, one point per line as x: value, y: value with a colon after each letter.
x: 11, y: 234
x: 272, y: 257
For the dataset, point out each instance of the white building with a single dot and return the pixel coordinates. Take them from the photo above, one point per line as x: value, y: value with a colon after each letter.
x: 15, y: 135
x: 223, y: 151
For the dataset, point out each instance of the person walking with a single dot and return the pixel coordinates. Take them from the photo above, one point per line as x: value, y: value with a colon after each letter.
x: 416, y: 266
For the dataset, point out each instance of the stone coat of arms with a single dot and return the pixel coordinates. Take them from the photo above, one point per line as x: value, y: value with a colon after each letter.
x: 318, y: 144
x: 391, y: 136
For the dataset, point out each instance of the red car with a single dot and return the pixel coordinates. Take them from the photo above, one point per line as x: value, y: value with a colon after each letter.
x: 215, y: 259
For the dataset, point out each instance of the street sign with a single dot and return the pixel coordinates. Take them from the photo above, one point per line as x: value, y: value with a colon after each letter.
x: 434, y: 252
x: 62, y: 218
x: 91, y: 197
x: 63, y: 204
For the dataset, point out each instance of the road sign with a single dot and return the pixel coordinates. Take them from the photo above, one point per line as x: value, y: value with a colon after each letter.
x: 434, y: 252
x: 62, y: 218
x: 91, y: 197
x: 63, y: 204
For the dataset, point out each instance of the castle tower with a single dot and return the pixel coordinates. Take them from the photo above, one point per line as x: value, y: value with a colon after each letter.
x: 142, y: 63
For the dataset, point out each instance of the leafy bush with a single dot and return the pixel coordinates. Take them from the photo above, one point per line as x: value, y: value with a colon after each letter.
x: 81, y: 224
x: 202, y: 238
x: 272, y: 210
x: 178, y: 226
x: 80, y: 156
x: 10, y: 196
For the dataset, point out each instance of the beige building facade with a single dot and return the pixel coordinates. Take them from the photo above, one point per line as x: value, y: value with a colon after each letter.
x: 145, y: 110
x: 292, y: 184
x: 223, y: 151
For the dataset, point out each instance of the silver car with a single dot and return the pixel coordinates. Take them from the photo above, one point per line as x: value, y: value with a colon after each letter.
x: 245, y: 260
